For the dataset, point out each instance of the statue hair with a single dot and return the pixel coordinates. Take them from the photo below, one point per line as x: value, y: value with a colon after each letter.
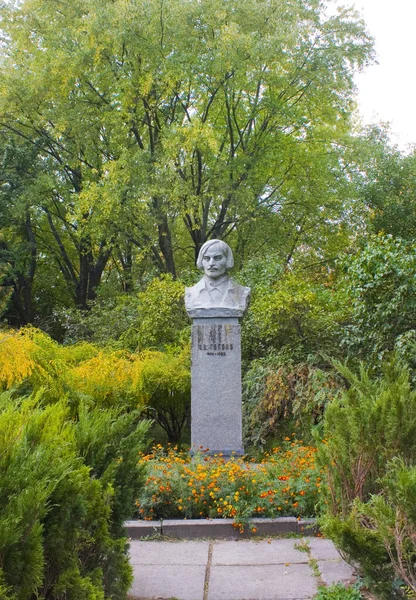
x: 225, y: 249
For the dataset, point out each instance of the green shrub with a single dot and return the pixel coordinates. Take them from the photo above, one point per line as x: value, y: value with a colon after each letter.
x: 66, y: 488
x: 372, y: 422
x: 392, y: 514
x: 380, y: 284
x: 279, y: 396
x: 368, y: 455
x: 157, y: 383
x: 109, y: 442
x: 165, y: 382
x: 153, y: 318
x: 295, y: 315
x: 381, y: 533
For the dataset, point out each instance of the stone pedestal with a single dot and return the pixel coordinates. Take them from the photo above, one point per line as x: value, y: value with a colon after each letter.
x: 216, y: 417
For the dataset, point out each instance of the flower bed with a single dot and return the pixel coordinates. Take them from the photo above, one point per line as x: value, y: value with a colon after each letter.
x: 285, y: 483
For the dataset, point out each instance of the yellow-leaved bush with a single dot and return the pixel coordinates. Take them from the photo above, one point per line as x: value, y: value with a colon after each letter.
x: 30, y: 360
x: 109, y: 376
x: 16, y: 361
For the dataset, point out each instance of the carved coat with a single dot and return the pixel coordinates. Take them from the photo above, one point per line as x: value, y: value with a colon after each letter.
x: 228, y: 294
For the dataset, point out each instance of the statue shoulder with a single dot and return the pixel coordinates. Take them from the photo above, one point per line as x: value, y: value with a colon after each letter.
x: 241, y: 289
x: 192, y: 294
x: 193, y: 289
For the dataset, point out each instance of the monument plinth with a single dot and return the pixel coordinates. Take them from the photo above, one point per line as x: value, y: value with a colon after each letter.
x: 215, y: 305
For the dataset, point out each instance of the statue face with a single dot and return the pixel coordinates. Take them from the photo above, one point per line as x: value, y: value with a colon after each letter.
x: 214, y: 262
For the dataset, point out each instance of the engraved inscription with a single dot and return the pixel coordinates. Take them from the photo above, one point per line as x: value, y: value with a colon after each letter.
x: 215, y: 339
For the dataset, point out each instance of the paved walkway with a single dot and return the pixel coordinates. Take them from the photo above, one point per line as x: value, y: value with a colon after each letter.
x: 266, y: 569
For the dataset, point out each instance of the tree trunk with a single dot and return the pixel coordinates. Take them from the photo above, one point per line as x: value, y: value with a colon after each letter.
x: 165, y: 244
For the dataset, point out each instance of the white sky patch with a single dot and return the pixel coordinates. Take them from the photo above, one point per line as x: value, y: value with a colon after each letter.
x: 387, y: 91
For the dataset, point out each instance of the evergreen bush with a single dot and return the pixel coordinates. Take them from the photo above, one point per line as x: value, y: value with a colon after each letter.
x: 368, y: 454
x: 67, y: 486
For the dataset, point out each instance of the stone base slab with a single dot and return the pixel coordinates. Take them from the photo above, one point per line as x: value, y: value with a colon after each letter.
x: 218, y: 528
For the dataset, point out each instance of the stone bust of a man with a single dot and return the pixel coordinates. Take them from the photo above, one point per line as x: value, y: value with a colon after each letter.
x: 216, y: 294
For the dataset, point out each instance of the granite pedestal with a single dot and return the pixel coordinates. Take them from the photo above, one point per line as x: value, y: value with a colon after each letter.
x: 216, y: 417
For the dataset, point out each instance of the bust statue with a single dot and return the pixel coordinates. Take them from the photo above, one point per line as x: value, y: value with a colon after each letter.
x: 216, y: 295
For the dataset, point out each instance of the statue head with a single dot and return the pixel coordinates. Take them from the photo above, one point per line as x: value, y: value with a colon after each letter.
x: 215, y: 258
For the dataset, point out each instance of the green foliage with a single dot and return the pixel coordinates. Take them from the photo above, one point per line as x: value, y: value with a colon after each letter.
x: 30, y: 470
x: 154, y: 318
x: 373, y: 421
x: 360, y: 545
x: 108, y: 442
x: 368, y: 455
x: 338, y: 592
x: 388, y: 187
x: 166, y: 383
x: 147, y: 130
x: 296, y: 315
x: 158, y: 381
x: 279, y: 396
x: 67, y: 486
x: 106, y: 323
x: 380, y: 283
x: 391, y: 515
x: 161, y: 318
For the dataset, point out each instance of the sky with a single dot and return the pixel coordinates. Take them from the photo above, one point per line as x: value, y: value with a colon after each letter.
x: 387, y: 91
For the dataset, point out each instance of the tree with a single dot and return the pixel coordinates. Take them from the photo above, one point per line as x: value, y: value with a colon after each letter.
x: 389, y: 187
x: 295, y: 316
x: 380, y: 282
x: 166, y: 123
x: 18, y: 244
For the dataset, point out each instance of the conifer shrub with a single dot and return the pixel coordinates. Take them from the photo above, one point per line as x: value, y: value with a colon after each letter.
x: 109, y: 442
x: 67, y: 486
x: 393, y: 515
x: 389, y: 517
x: 165, y: 383
x: 368, y: 456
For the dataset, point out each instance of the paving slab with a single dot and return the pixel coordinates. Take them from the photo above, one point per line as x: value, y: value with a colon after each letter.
x: 322, y: 549
x: 265, y: 582
x: 168, y: 581
x: 169, y: 553
x: 251, y: 552
x: 336, y: 571
x: 247, y: 569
